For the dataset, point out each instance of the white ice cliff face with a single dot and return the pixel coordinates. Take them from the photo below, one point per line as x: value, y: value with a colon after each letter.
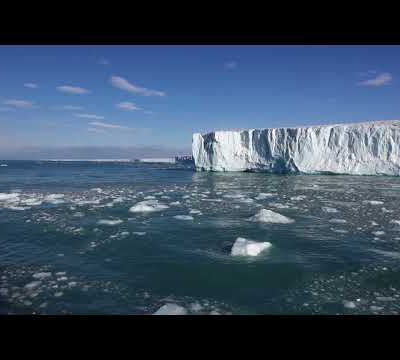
x: 360, y: 149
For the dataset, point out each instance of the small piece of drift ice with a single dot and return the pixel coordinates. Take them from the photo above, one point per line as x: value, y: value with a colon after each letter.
x: 171, y: 309
x: 269, y: 216
x: 244, y: 247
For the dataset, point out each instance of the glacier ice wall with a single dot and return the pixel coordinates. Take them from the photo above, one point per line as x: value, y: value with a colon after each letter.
x: 362, y: 148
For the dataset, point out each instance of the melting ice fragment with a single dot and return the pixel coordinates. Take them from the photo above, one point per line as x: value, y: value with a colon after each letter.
x: 148, y: 206
x: 183, y: 217
x: 109, y: 222
x: 373, y: 202
x: 171, y: 309
x: 244, y: 247
x: 269, y: 216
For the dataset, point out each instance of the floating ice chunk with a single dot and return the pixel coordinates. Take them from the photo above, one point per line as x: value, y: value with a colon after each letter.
x: 58, y: 294
x: 32, y: 202
x: 175, y: 203
x: 384, y: 210
x: 41, y: 275
x: 262, y: 196
x: 183, y: 217
x: 148, y: 206
x: 11, y: 196
x: 3, y: 165
x: 54, y: 196
x: 279, y: 205
x: 233, y: 196
x: 194, y: 211
x: 244, y: 247
x: 373, y: 223
x: 375, y: 308
x: 150, y: 197
x: 329, y: 209
x: 140, y: 233
x: 196, y: 307
x: 269, y: 216
x: 349, y: 304
x: 61, y: 273
x: 396, y: 222
x: 33, y: 285
x: 171, y: 309
x: 298, y: 198
x: 110, y: 222
x: 18, y: 208
x: 212, y: 200
x: 378, y: 233
x: 339, y: 231
x: 373, y: 202
x: 214, y: 312
x: 337, y: 221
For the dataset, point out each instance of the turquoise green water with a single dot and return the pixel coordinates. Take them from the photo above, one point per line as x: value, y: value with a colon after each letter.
x: 340, y: 261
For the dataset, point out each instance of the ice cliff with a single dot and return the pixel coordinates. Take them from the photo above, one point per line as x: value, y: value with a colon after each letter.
x: 362, y: 148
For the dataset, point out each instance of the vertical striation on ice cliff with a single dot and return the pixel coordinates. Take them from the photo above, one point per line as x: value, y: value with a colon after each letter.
x: 362, y: 148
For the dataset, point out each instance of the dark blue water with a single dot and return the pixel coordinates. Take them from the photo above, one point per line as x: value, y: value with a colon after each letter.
x: 70, y: 245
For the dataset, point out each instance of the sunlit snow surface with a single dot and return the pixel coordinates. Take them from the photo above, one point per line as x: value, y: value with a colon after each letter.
x: 69, y: 243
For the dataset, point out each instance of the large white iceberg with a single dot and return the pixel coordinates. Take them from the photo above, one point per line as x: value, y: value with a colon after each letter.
x: 361, y: 149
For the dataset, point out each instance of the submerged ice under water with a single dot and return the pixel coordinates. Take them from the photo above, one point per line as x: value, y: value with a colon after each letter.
x: 71, y: 244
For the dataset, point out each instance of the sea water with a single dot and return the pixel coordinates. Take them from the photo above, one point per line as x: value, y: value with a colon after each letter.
x: 69, y: 243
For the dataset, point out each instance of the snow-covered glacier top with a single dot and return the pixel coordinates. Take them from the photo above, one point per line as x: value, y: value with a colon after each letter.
x: 368, y: 148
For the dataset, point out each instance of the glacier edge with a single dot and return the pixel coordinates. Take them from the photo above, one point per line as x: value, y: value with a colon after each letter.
x: 369, y: 148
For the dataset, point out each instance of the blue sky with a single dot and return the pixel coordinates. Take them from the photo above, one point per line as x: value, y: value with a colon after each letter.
x: 159, y: 95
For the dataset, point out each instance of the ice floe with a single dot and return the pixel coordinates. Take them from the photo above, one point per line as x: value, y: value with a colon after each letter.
x: 10, y: 196
x: 373, y: 202
x: 338, y: 221
x: 183, y: 217
x: 41, y: 275
x: 148, y: 206
x: 244, y: 247
x: 110, y: 222
x: 269, y: 216
x: 262, y: 196
x: 171, y: 309
x: 328, y: 209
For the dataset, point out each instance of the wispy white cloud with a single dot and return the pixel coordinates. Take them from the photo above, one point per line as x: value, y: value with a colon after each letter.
x: 90, y: 116
x: 103, y: 61
x: 127, y: 106
x: 124, y: 84
x: 379, y: 80
x: 69, y: 107
x: 22, y: 104
x: 31, y: 85
x: 230, y: 65
x: 72, y: 89
x: 108, y: 125
x: 96, y: 130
